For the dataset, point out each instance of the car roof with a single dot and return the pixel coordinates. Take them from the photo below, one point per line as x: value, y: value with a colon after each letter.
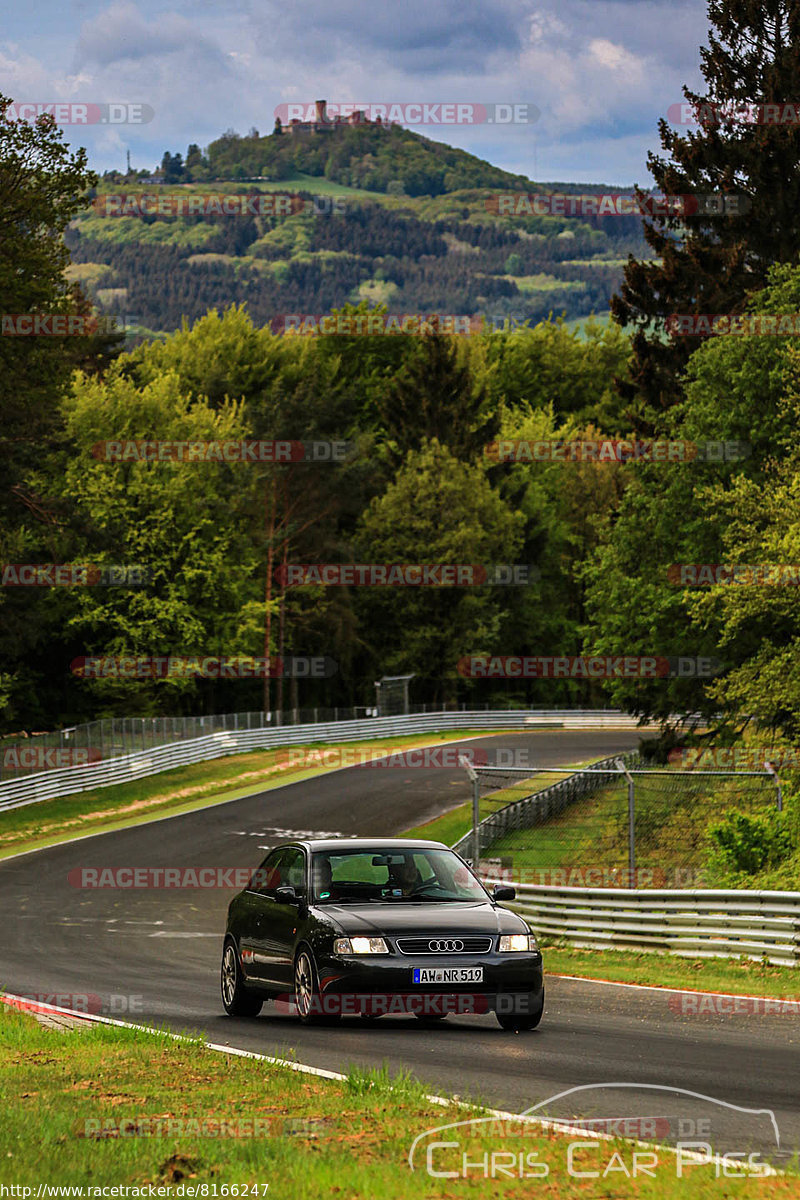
x: 365, y: 844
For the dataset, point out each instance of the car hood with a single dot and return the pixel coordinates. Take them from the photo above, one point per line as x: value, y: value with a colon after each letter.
x: 421, y: 919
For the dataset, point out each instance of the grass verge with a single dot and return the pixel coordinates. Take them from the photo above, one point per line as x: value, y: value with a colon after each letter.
x: 70, y: 1096
x: 452, y: 825
x: 185, y: 789
x: 732, y: 975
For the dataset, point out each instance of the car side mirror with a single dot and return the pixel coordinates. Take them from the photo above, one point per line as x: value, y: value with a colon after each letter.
x: 286, y: 895
x: 502, y: 891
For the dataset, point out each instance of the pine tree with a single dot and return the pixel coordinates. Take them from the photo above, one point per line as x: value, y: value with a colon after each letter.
x: 709, y: 262
x: 433, y: 397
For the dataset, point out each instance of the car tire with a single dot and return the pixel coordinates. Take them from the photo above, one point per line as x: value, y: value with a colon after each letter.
x: 306, y: 991
x: 521, y: 1022
x: 236, y: 999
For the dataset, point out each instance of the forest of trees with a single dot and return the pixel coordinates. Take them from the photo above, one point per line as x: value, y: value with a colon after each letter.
x: 314, y: 261
x: 417, y: 485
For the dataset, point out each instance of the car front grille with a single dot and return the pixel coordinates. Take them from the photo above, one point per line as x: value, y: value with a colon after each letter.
x: 444, y: 945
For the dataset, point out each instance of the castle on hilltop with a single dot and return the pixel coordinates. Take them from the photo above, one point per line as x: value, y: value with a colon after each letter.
x: 323, y: 123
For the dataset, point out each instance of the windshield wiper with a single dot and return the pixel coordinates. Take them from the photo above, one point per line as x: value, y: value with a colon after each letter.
x: 433, y: 899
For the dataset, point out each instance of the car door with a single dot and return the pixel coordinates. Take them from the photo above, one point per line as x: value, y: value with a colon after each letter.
x: 257, y: 910
x: 285, y: 918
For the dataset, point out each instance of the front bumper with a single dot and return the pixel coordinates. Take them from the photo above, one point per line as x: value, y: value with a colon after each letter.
x: 376, y: 984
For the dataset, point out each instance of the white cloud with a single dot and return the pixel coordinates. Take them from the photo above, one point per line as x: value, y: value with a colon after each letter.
x: 615, y: 57
x: 121, y: 32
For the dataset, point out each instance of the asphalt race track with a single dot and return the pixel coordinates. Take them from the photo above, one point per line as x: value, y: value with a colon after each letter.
x: 159, y: 950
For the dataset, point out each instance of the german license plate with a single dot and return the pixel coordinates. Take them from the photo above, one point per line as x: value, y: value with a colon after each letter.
x: 447, y: 974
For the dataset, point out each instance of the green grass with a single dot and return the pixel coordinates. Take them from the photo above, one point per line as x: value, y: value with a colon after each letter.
x: 68, y: 1096
x: 599, y: 261
x: 90, y: 274
x: 452, y: 825
x: 183, y: 789
x: 318, y: 185
x: 578, y: 324
x: 741, y: 976
x: 544, y: 283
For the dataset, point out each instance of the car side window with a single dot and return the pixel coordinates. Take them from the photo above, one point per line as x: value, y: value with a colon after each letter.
x: 293, y: 871
x: 268, y: 876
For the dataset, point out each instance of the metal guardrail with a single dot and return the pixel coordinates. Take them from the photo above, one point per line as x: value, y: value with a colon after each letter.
x: 541, y: 806
x: 66, y: 781
x: 25, y: 753
x: 692, y: 923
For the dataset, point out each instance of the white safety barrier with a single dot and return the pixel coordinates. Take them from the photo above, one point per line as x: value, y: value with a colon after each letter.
x: 47, y: 785
x: 693, y: 923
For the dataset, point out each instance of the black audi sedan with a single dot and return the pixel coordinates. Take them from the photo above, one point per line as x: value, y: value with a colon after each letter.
x: 337, y: 927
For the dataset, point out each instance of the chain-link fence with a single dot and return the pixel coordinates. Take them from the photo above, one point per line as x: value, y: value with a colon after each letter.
x: 24, y: 753
x: 615, y: 824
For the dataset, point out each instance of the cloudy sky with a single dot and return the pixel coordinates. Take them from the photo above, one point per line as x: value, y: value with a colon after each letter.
x: 600, y: 72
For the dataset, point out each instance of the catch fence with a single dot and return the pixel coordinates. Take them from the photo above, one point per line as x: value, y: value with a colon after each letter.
x: 612, y: 824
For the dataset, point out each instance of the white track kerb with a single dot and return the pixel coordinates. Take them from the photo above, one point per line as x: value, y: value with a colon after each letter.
x: 23, y: 1004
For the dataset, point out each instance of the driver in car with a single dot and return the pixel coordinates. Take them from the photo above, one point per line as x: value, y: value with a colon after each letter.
x: 404, y: 877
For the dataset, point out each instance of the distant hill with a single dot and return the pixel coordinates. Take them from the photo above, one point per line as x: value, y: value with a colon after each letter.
x: 388, y: 217
x: 376, y: 159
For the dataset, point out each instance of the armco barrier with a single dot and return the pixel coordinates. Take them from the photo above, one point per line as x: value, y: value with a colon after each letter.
x: 47, y: 785
x: 692, y: 923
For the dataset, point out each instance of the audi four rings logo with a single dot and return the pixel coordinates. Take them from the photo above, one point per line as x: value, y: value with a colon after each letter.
x: 451, y: 946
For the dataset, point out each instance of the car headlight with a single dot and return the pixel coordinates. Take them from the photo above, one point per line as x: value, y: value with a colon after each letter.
x: 360, y: 945
x: 510, y: 942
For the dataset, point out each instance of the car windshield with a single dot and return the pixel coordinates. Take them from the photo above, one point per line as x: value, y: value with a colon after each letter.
x: 388, y: 876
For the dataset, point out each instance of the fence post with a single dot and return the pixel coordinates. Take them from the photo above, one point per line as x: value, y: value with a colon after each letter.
x: 774, y: 775
x: 476, y: 833
x: 631, y: 822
